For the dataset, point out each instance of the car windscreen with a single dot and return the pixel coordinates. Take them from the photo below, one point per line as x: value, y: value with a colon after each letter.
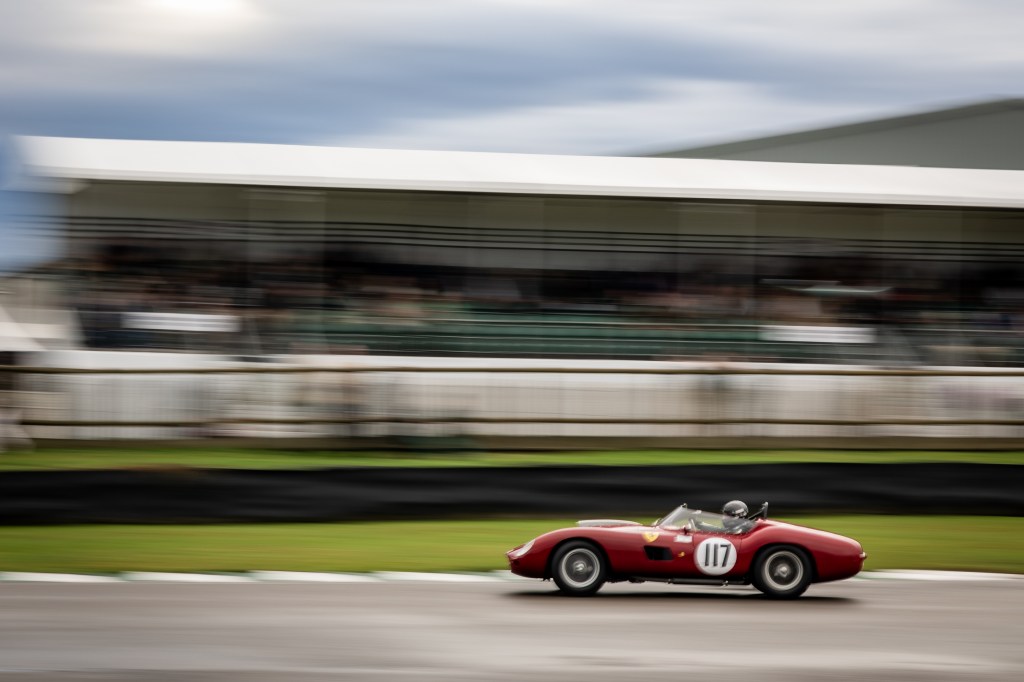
x: 705, y: 522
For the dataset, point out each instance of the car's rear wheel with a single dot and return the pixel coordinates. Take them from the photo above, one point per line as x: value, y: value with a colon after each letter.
x: 579, y: 568
x: 782, y: 572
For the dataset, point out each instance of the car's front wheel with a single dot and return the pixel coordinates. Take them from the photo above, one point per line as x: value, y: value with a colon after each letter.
x: 579, y: 568
x: 782, y: 572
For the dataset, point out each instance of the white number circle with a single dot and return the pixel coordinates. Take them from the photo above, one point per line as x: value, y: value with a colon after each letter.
x: 715, y: 556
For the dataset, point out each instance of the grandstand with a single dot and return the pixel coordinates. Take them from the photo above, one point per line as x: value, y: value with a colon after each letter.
x: 264, y: 249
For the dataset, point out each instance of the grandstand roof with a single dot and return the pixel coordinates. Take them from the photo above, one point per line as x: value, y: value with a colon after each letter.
x: 979, y: 135
x: 58, y: 164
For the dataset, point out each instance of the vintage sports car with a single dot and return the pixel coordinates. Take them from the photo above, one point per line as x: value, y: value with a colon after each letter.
x: 691, y: 547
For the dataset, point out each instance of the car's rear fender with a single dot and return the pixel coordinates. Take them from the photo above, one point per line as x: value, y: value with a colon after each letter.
x: 772, y: 545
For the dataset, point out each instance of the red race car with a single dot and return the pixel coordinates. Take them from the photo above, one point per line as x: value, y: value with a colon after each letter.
x: 691, y: 547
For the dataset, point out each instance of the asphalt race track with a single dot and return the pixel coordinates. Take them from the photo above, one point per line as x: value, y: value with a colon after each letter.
x: 508, y: 630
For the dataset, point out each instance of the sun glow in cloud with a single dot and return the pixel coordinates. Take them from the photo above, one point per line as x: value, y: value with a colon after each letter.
x: 188, y: 28
x: 203, y: 7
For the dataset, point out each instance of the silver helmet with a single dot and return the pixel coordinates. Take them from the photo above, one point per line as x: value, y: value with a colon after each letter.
x: 735, y: 508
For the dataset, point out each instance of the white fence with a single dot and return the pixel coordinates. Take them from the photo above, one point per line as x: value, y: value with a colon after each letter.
x: 117, y: 395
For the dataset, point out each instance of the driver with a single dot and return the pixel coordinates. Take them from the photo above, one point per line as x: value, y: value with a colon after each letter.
x: 734, y: 517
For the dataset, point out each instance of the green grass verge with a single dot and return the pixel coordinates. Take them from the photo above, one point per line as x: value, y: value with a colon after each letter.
x: 924, y: 542
x: 236, y: 458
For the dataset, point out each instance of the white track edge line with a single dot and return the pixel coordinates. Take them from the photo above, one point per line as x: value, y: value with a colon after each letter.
x: 409, y: 576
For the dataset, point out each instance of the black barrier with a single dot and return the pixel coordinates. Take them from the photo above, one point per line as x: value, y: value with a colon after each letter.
x: 221, y: 495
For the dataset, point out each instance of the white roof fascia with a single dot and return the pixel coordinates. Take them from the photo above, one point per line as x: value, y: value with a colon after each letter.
x: 59, y: 164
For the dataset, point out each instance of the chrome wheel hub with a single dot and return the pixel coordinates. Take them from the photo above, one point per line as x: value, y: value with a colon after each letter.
x: 580, y: 567
x: 783, y: 570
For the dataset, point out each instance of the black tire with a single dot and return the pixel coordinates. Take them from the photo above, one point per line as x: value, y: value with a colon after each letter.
x: 782, y: 572
x: 579, y: 568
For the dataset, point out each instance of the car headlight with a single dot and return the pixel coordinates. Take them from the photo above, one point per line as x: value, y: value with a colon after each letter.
x: 521, y: 551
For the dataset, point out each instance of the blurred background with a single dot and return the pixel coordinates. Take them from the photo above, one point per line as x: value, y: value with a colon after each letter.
x: 525, y: 295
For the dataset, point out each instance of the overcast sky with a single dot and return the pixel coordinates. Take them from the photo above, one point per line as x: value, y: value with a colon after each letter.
x: 546, y: 76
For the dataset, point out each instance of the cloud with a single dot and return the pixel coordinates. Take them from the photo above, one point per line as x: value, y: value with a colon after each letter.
x: 666, y: 113
x: 577, y: 76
